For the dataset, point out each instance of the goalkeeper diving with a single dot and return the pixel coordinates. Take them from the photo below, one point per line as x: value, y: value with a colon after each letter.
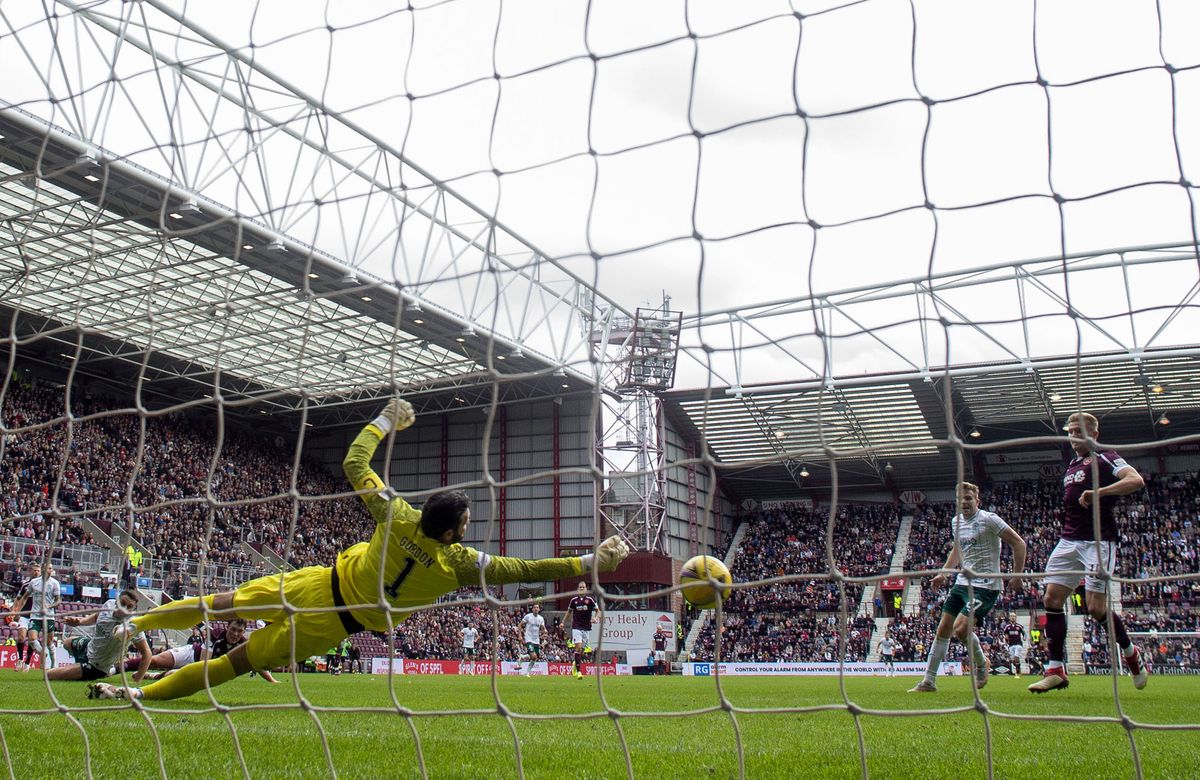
x: 422, y: 559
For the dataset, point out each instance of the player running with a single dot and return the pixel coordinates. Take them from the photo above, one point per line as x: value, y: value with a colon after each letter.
x: 581, y: 608
x: 35, y: 634
x: 413, y: 557
x: 97, y: 656
x: 978, y: 534
x: 533, y: 623
x: 1079, y: 550
x: 1014, y: 637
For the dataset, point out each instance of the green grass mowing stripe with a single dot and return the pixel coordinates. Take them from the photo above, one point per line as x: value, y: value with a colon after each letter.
x: 285, y: 743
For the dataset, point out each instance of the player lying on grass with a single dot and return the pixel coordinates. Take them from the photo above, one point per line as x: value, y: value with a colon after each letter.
x: 978, y: 533
x: 413, y: 558
x: 175, y: 658
x: 97, y: 656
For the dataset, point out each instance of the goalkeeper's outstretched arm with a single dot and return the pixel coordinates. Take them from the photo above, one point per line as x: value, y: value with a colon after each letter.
x: 499, y: 570
x: 395, y: 417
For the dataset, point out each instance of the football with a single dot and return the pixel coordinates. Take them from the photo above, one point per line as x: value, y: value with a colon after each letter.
x: 696, y: 577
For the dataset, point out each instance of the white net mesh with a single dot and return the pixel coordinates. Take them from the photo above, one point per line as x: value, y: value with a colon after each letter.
x: 230, y: 234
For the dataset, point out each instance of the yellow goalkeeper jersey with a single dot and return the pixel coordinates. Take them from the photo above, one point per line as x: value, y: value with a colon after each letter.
x: 417, y: 570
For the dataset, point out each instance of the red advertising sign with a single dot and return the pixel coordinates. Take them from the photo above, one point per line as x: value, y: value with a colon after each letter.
x: 484, y: 668
x: 430, y: 667
x: 8, y: 657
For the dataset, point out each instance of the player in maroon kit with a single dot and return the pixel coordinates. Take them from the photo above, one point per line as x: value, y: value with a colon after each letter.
x: 660, y: 652
x: 1079, y: 550
x: 1014, y: 639
x: 222, y: 642
x: 581, y: 608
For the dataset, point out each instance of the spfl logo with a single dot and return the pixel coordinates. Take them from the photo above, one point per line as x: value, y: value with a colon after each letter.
x: 702, y: 670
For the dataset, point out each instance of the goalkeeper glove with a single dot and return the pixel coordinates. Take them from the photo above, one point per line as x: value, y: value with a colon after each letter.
x: 608, y: 555
x: 396, y: 416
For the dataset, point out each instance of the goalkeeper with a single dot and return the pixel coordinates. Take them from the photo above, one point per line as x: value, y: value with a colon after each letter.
x: 421, y: 559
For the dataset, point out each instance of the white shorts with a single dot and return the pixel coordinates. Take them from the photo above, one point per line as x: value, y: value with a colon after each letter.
x: 1073, y: 556
x: 579, y: 636
x: 23, y: 622
x: 660, y: 655
x: 181, y: 656
x: 1016, y: 651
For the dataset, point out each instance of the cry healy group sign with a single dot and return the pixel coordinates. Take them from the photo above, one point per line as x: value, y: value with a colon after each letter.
x: 633, y: 631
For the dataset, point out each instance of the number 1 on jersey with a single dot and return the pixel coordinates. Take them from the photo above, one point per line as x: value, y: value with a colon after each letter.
x: 393, y: 590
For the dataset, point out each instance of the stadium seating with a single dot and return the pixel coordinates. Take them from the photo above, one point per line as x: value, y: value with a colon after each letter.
x: 784, y: 622
x: 787, y: 621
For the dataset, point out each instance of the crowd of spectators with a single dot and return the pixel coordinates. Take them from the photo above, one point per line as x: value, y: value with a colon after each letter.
x: 1158, y: 528
x: 151, y: 475
x: 790, y: 540
x: 772, y: 638
x: 790, y: 621
x: 165, y: 466
x: 914, y: 634
x: 437, y: 633
x: 1153, y: 631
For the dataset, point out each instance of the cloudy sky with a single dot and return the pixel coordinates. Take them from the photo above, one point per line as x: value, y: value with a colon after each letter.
x: 735, y: 154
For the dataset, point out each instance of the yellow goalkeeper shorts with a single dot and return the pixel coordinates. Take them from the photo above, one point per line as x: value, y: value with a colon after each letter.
x: 311, y: 632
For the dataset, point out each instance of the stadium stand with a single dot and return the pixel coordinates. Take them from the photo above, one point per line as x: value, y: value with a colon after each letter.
x: 790, y: 621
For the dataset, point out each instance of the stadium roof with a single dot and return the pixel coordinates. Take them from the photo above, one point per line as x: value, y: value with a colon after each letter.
x: 105, y: 261
x: 887, y: 428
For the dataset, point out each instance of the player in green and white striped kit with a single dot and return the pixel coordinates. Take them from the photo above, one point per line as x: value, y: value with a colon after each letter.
x: 979, y: 534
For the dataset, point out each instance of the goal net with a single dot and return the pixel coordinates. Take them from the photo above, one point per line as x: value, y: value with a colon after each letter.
x: 759, y: 280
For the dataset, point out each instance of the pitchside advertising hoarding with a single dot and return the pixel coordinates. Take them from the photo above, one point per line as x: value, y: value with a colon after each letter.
x: 633, y: 632
x: 484, y: 668
x: 8, y: 657
x: 857, y: 669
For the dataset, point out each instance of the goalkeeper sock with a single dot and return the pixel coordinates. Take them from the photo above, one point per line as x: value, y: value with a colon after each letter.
x: 977, y: 659
x: 936, y: 653
x: 180, y: 615
x: 21, y: 651
x: 190, y: 679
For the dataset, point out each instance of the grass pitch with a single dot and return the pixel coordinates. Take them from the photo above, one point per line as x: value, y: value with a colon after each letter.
x: 278, y: 739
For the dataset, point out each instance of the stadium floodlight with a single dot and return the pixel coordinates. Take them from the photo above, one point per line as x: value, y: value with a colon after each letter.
x: 1163, y: 419
x: 975, y: 433
x: 804, y: 472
